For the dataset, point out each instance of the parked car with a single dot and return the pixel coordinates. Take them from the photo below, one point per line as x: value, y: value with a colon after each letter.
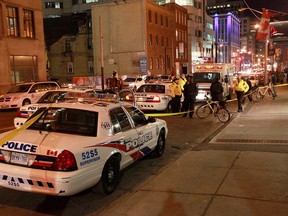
x: 25, y: 93
x: 71, y: 146
x: 253, y: 78
x: 152, y: 96
x: 133, y: 82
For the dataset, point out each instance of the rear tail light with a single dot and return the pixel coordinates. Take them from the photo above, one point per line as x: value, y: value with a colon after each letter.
x: 19, y: 113
x: 65, y: 162
x: 153, y: 99
x: 128, y: 98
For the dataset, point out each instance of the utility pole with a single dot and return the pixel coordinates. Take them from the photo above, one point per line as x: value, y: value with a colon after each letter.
x: 101, y: 53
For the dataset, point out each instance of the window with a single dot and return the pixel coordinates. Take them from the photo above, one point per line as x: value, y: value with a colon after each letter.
x: 137, y: 116
x: 119, y: 120
x: 156, y: 18
x: 74, y: 2
x: 161, y: 20
x: 166, y: 21
x: 12, y: 21
x: 24, y: 68
x: 68, y: 121
x: 150, y: 15
x: 28, y: 24
x: 157, y: 63
x: 162, y: 40
x: 156, y: 40
x: 58, y: 5
x: 150, y: 39
x: 151, y: 63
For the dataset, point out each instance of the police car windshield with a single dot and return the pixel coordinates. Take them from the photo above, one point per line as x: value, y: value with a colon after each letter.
x: 64, y: 120
x: 151, y: 88
x: 205, y: 77
x: 20, y: 88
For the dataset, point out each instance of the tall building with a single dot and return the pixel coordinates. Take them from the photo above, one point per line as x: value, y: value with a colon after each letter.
x: 227, y: 31
x: 22, y: 47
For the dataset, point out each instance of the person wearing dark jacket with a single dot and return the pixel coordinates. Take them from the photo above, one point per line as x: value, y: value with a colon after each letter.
x: 190, y: 92
x: 216, y: 90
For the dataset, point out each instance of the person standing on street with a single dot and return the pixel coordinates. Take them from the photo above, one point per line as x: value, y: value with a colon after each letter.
x: 216, y: 90
x: 176, y: 94
x: 241, y: 87
x: 190, y: 92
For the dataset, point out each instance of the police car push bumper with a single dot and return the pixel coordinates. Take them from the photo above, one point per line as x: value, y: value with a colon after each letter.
x: 47, y: 182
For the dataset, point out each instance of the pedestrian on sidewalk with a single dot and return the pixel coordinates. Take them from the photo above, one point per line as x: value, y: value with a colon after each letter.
x: 190, y: 92
x: 176, y: 94
x: 273, y: 83
x: 241, y: 87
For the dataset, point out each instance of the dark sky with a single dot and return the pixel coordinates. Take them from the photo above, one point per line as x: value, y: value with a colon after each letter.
x: 278, y: 5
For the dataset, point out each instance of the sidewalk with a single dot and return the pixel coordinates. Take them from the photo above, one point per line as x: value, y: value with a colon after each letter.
x: 214, y: 180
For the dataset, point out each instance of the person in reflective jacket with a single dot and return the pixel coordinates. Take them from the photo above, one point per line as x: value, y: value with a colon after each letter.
x: 241, y: 87
x: 176, y: 94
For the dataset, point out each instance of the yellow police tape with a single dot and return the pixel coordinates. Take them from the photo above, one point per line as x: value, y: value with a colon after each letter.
x: 16, y: 131
x: 181, y: 113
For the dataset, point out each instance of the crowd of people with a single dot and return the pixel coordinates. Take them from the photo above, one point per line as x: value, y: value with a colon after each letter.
x: 185, y: 86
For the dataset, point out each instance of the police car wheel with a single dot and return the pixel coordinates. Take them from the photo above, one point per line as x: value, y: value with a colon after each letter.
x: 110, y: 175
x: 160, y: 147
x: 169, y: 107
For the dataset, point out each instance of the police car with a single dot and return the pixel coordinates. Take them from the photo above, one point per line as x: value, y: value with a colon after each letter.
x: 152, y: 97
x: 25, y: 93
x: 74, y: 145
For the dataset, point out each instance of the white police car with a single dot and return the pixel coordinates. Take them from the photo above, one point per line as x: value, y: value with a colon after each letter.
x: 25, y: 93
x: 71, y: 146
x: 152, y: 97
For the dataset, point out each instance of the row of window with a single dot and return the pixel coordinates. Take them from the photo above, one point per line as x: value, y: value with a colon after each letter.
x: 13, y: 22
x: 156, y: 18
x: 58, y: 5
x: 157, y: 40
x: 159, y: 63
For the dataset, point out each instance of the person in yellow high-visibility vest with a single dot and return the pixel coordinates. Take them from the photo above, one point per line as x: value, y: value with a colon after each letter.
x: 176, y: 94
x: 182, y: 81
x: 241, y: 87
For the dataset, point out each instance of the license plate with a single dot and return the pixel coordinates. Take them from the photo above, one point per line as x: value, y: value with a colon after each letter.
x: 19, y: 158
x: 141, y: 99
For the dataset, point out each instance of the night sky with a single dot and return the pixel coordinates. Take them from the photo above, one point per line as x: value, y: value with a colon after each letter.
x: 278, y: 5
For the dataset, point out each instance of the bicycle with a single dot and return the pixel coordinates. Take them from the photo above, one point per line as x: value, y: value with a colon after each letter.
x: 221, y: 112
x: 260, y: 93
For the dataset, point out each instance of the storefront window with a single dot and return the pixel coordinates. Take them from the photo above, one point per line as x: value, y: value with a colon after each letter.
x: 24, y: 68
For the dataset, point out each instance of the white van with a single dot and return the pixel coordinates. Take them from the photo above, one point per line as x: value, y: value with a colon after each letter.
x: 205, y: 74
x: 25, y: 93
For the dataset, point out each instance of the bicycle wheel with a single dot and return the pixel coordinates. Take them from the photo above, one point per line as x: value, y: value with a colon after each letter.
x: 203, y: 111
x: 256, y: 96
x: 223, y: 114
x: 271, y: 94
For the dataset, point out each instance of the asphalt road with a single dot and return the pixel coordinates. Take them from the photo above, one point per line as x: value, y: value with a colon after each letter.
x: 184, y: 134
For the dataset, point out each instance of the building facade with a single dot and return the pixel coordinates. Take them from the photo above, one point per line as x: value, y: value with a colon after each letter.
x: 22, y: 47
x: 227, y: 33
x: 150, y: 41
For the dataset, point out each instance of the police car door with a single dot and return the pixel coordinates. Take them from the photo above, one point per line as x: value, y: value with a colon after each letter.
x: 125, y: 135
x: 147, y: 132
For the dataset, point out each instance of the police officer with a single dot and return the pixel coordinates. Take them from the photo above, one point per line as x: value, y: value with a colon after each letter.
x: 241, y: 87
x: 176, y: 94
x: 190, y: 92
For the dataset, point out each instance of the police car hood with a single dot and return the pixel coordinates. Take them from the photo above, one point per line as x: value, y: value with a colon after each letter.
x: 38, y: 142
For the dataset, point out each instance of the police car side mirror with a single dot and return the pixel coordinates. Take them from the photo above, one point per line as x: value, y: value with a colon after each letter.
x: 151, y: 119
